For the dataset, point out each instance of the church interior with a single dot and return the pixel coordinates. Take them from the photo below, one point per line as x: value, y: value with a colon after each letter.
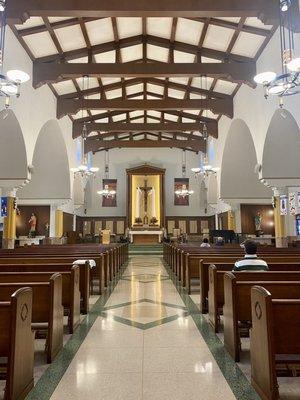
x: 149, y: 200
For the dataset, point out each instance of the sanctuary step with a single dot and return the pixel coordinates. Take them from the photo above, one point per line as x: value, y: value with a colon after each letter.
x: 141, y: 249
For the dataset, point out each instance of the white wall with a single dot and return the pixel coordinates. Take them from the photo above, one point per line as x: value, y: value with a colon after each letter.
x: 33, y: 110
x: 251, y: 106
x: 121, y: 159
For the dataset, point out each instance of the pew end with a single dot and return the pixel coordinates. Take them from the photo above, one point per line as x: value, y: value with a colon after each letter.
x: 231, y: 333
x: 263, y: 369
x: 20, y: 380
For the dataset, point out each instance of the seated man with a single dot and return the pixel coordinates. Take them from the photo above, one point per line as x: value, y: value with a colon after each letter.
x: 250, y: 262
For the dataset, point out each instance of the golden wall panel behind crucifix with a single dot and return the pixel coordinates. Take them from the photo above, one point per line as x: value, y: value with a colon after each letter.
x: 145, y: 187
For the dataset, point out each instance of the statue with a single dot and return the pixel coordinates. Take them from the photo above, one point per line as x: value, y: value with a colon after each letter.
x: 257, y: 222
x: 32, y: 222
x: 47, y: 229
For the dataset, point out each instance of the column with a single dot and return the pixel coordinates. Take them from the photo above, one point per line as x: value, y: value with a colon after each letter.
x: 9, y: 229
x: 216, y: 220
x: 281, y: 239
x: 231, y: 220
x: 59, y: 226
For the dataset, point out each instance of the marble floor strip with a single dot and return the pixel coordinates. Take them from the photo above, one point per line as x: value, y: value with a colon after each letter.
x: 144, y: 339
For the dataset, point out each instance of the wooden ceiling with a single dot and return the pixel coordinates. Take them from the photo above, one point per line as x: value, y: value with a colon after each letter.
x: 157, y: 70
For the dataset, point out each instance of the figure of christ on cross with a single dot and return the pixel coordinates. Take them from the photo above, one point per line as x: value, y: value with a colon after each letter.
x: 146, y: 189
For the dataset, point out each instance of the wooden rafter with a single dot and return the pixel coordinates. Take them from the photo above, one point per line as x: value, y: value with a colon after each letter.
x: 19, y: 10
x: 54, y: 72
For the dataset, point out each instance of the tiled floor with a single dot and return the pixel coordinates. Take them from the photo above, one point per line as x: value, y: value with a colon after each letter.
x: 144, y: 346
x: 144, y: 339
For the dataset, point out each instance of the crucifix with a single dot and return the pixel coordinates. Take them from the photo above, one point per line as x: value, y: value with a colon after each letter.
x: 146, y: 189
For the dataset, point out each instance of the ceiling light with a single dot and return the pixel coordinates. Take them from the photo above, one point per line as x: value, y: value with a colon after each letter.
x: 265, y: 78
x: 18, y: 76
x: 285, y: 5
x: 94, y: 169
x: 2, y: 5
x: 9, y: 90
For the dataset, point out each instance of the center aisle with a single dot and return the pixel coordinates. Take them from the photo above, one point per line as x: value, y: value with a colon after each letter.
x: 144, y: 345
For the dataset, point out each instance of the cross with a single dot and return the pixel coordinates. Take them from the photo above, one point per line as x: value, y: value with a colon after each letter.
x: 146, y: 189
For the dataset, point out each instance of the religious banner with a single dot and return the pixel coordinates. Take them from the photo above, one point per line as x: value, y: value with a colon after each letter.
x: 283, y: 205
x: 3, y: 210
x: 293, y: 203
x: 181, y: 184
x: 109, y: 200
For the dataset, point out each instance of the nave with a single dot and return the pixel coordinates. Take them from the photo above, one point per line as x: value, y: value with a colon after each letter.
x: 147, y: 340
x: 143, y: 343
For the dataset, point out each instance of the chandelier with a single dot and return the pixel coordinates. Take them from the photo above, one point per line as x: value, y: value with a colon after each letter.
x: 11, y: 82
x: 287, y: 82
x: 85, y: 168
x: 106, y: 191
x: 183, y: 191
x: 205, y: 170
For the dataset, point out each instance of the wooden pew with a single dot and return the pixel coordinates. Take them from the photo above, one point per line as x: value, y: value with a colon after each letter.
x: 46, y: 309
x: 237, y: 305
x: 278, y: 272
x: 35, y: 264
x: 280, y: 263
x: 17, y: 343
x: 70, y: 289
x: 274, y: 338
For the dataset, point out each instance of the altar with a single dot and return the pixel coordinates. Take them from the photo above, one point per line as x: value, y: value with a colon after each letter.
x: 146, y: 236
x: 145, y: 202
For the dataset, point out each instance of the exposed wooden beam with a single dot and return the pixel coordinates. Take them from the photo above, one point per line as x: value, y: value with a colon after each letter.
x: 135, y: 127
x: 54, y: 72
x: 155, y: 81
x: 18, y: 11
x: 120, y: 135
x: 72, y: 106
x: 147, y: 39
x: 95, y: 146
x: 212, y: 124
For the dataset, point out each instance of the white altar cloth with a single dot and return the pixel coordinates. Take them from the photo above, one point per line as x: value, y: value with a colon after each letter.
x: 146, y: 232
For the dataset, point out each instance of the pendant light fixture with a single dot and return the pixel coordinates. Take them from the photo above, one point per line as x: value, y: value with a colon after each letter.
x: 287, y: 82
x: 11, y: 82
x: 106, y: 192
x: 85, y: 168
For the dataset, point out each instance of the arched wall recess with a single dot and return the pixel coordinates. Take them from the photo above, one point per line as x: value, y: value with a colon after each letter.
x: 51, y: 175
x: 238, y: 179
x: 281, y: 161
x: 13, y: 157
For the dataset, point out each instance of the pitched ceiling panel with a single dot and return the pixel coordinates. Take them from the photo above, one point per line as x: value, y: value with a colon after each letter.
x: 188, y: 31
x: 70, y: 37
x: 100, y: 31
x: 157, y: 53
x: 132, y: 53
x: 247, y: 44
x: 218, y: 38
x: 40, y: 44
x: 161, y: 27
x: 128, y: 27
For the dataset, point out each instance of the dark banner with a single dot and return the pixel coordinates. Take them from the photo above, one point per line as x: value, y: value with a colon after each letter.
x: 111, y: 200
x: 179, y: 184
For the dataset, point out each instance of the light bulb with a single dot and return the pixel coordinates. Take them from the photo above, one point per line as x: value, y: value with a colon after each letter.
x: 18, y: 76
x: 294, y: 65
x: 196, y: 170
x: 74, y: 169
x: 94, y: 169
x: 82, y: 167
